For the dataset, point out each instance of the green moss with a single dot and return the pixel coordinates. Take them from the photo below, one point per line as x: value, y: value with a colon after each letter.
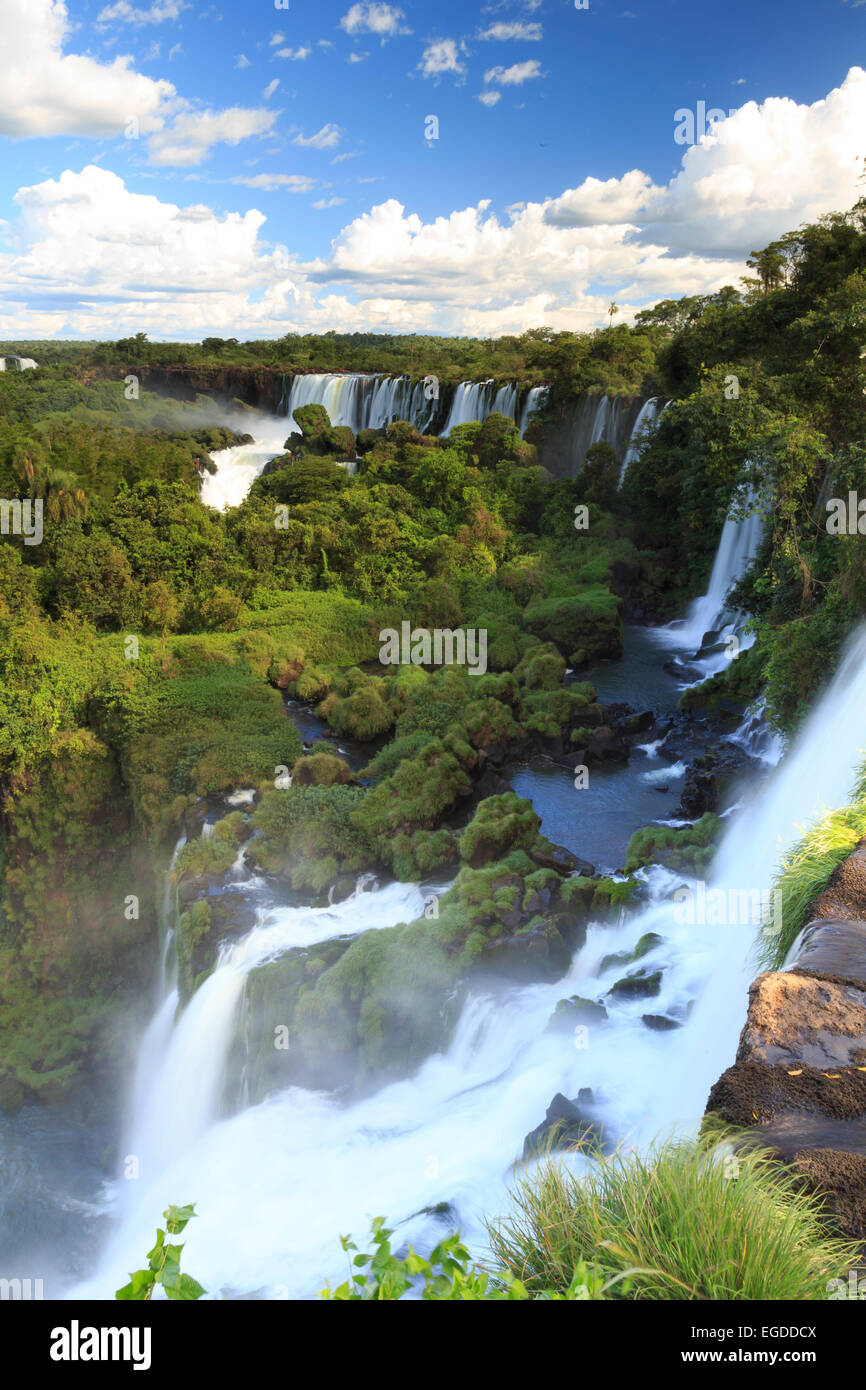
x: 688, y: 848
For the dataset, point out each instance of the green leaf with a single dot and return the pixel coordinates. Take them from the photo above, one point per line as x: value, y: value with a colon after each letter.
x: 186, y: 1290
x: 177, y: 1217
x: 139, y: 1287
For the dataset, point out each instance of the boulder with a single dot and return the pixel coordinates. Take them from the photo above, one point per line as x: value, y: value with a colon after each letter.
x: 566, y: 1124
x: 801, y: 1019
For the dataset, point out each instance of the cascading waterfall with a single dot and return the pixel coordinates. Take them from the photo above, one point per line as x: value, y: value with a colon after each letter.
x: 649, y: 414
x: 365, y: 400
x: 532, y: 406
x: 738, y: 545
x: 238, y: 467
x: 595, y: 419
x: 276, y: 1182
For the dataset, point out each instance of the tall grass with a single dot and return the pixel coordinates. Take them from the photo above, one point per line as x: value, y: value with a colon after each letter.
x: 804, y: 874
x: 690, y: 1222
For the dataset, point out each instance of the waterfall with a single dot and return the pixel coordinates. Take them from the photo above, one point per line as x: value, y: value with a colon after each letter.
x: 649, y: 413
x: 13, y: 363
x: 276, y: 1182
x: 365, y: 400
x: 738, y: 545
x: 472, y: 401
x: 238, y: 467
x: 594, y: 419
x: 532, y: 406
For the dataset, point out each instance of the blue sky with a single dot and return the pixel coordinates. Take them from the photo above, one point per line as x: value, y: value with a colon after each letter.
x: 287, y: 147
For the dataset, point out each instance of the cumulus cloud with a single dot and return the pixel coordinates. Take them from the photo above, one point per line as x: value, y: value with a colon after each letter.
x: 513, y: 29
x: 324, y: 139
x: 440, y: 57
x: 489, y: 98
x: 386, y: 21
x: 761, y: 172
x: 293, y: 183
x: 295, y: 55
x: 516, y: 75
x: 46, y: 92
x: 87, y: 245
x: 193, y: 134
x: 159, y: 11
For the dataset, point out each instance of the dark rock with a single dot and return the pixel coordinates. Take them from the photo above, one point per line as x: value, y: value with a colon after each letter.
x: 567, y: 1124
x: 639, y: 985
x: 700, y: 794
x: 574, y: 1012
x: 659, y: 1023
x: 835, y: 950
x: 536, y: 953
x: 682, y: 671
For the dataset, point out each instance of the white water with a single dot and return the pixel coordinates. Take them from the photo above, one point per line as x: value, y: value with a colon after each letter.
x: 238, y: 467
x: 275, y: 1183
x: 364, y: 400
x: 738, y: 546
x: 13, y: 363
x: 649, y: 414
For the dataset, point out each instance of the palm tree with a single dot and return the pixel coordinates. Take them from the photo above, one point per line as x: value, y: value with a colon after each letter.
x: 613, y: 308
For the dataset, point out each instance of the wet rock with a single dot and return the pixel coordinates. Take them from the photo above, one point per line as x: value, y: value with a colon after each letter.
x: 796, y: 1019
x: 660, y: 1023
x: 566, y: 1124
x: 606, y: 745
x: 641, y: 984
x: 699, y: 794
x: 682, y: 671
x: 560, y: 859
x: 536, y: 953
x: 575, y: 1012
x: 835, y: 950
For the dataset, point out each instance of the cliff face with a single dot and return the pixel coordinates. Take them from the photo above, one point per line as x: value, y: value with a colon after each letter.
x: 262, y: 387
x: 799, y: 1081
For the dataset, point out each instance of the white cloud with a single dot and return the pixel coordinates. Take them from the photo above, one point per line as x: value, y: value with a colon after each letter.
x: 324, y: 139
x: 375, y: 18
x: 440, y: 57
x: 295, y: 55
x: 193, y: 134
x: 159, y: 11
x: 277, y: 39
x: 513, y: 29
x: 329, y: 203
x: 46, y: 92
x: 489, y: 98
x: 762, y: 172
x: 516, y: 75
x: 293, y: 183
x: 91, y: 252
x: 268, y: 92
x: 242, y: 61
x: 357, y: 57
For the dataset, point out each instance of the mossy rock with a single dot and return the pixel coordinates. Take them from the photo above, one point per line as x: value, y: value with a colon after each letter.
x: 321, y: 769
